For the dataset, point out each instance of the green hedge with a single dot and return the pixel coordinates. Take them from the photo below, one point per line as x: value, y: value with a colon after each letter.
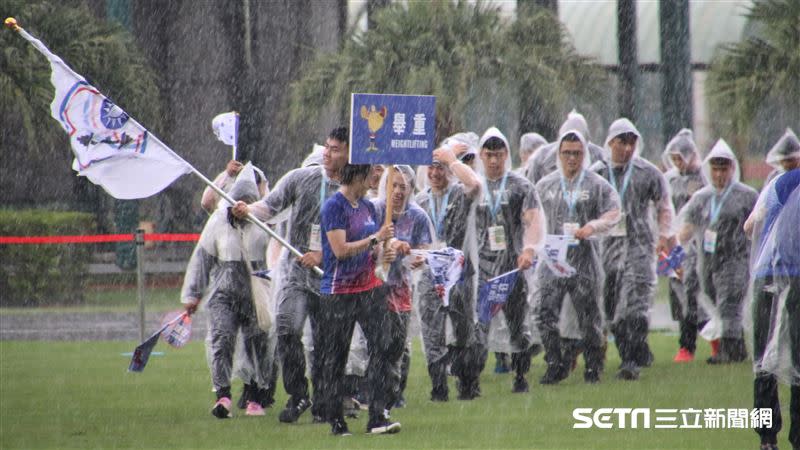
x: 46, y: 274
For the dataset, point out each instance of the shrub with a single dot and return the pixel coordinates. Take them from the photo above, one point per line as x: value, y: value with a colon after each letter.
x: 43, y: 274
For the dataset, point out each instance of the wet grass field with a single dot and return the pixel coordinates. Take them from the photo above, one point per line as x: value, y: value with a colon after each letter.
x: 79, y: 395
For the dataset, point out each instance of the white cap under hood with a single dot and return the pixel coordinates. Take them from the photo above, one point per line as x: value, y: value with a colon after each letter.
x: 575, y: 121
x: 682, y: 144
x: 787, y: 147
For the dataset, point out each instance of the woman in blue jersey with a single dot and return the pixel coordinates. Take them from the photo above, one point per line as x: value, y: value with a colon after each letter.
x: 350, y: 293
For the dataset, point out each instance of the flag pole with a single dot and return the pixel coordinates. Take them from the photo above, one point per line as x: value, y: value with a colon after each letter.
x: 387, y: 219
x: 235, y: 134
x: 11, y: 23
x: 250, y: 216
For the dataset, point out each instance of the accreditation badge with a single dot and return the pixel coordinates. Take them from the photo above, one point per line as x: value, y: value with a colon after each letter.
x: 621, y: 228
x: 710, y: 241
x: 569, y: 230
x: 315, y: 238
x: 497, y: 238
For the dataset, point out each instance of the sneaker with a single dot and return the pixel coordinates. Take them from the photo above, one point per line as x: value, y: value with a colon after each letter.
x: 501, y: 363
x: 554, y: 375
x: 683, y: 355
x: 400, y: 402
x: 242, y: 402
x: 645, y: 358
x: 439, y: 395
x: 222, y: 409
x: 254, y: 409
x: 266, y: 398
x: 520, y: 385
x: 468, y: 390
x: 294, y: 410
x: 591, y: 376
x: 339, y: 428
x: 628, y: 372
x: 383, y: 427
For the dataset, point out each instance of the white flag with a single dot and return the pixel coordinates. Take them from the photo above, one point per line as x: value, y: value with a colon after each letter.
x: 555, y: 255
x: 110, y: 148
x: 226, y: 127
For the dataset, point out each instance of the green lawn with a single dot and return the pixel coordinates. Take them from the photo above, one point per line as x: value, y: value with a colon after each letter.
x: 79, y: 395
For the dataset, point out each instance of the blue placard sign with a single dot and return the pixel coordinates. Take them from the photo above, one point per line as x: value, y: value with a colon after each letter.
x: 392, y: 129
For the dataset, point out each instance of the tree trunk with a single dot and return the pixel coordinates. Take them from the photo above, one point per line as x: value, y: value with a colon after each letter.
x: 676, y: 70
x: 628, y: 60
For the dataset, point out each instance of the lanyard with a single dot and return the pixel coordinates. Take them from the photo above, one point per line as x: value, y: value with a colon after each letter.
x: 570, y: 197
x: 494, y: 204
x: 625, y: 181
x: 717, y: 208
x: 438, y: 219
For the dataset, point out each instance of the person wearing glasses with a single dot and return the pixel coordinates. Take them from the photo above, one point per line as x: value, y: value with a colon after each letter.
x: 630, y: 250
x: 582, y: 205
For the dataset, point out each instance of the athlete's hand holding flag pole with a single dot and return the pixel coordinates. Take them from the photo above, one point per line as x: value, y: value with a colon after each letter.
x: 111, y: 148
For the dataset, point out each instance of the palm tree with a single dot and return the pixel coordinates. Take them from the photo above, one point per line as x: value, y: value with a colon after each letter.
x: 756, y: 81
x: 464, y: 53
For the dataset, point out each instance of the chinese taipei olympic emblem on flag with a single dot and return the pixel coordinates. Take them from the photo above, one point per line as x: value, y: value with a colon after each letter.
x: 392, y: 129
x: 110, y: 148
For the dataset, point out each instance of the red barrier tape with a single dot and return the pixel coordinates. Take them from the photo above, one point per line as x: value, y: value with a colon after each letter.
x: 98, y: 238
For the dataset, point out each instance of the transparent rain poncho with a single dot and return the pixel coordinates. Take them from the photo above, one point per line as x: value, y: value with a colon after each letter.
x: 453, y: 225
x: 570, y: 306
x: 466, y: 138
x: 629, y: 252
x: 787, y: 148
x: 501, y: 210
x: 683, y: 184
x: 243, y: 367
x: 296, y: 201
x: 210, y: 199
x: 773, y: 313
x: 219, y: 272
x: 302, y: 191
x: 544, y: 161
x: 529, y: 143
x: 713, y: 221
x: 411, y: 225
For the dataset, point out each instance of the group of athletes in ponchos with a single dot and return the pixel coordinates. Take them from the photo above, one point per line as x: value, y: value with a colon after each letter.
x: 738, y: 277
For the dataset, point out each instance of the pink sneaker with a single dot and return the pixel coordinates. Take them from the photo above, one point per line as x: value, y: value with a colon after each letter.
x: 683, y: 355
x: 222, y: 409
x: 254, y: 409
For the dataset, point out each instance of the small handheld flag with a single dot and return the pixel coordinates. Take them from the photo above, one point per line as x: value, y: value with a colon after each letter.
x: 555, y: 255
x: 141, y: 354
x: 667, y: 264
x: 446, y: 267
x: 493, y: 295
x: 226, y: 128
x: 178, y: 330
